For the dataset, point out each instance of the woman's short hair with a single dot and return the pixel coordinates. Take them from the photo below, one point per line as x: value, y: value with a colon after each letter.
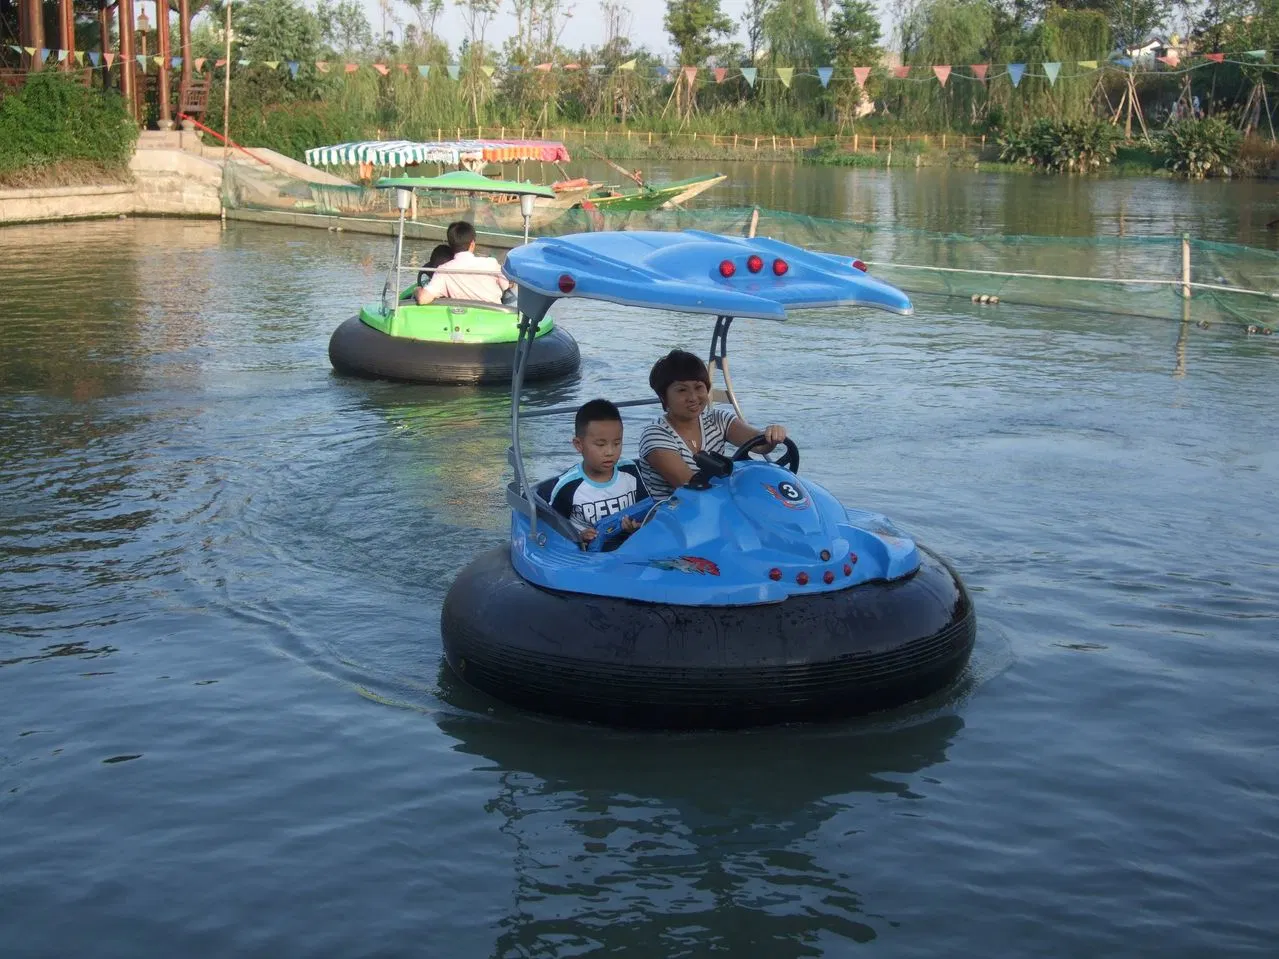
x: 675, y: 366
x: 439, y: 256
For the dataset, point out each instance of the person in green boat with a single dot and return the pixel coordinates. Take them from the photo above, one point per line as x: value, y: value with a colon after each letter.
x: 466, y: 276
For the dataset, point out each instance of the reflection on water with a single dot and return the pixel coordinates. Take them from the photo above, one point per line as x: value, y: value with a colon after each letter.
x: 670, y: 846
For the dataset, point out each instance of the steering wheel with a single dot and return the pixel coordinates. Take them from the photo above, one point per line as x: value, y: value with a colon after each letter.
x: 789, y: 459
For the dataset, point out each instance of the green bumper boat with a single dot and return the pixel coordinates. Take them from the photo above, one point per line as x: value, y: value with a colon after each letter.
x: 445, y: 341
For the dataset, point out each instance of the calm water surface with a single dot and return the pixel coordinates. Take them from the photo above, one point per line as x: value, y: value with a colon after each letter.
x: 225, y: 731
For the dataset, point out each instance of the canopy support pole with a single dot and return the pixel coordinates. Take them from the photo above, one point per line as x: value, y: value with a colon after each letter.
x: 719, y: 361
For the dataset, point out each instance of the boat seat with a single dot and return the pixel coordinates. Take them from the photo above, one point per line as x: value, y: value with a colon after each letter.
x: 446, y: 301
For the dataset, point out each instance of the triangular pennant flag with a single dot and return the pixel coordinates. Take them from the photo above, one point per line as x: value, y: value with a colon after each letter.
x: 1125, y: 62
x: 1256, y: 54
x: 901, y: 73
x: 44, y: 54
x: 424, y: 69
x: 94, y: 57
x: 488, y: 70
x: 663, y: 71
x: 142, y: 60
x: 1015, y: 72
x: 1087, y: 64
x: 455, y: 69
x: 243, y: 63
x: 350, y: 67
x: 404, y: 68
x: 942, y: 74
x: 158, y: 61
x: 216, y: 64
x: 572, y: 66
x: 322, y: 66
x: 690, y: 74
x: 823, y: 74
x: 861, y: 75
x: 598, y: 67
x: 784, y: 74
x: 628, y: 65
x: 749, y: 74
x: 1215, y: 57
x: 109, y: 58
x: 381, y: 68
x: 31, y: 51
x: 272, y: 64
x: 175, y: 63
x: 15, y: 48
x: 1051, y: 70
x: 980, y: 70
x: 199, y: 64
x: 293, y: 68
x: 544, y: 67
x: 1172, y: 59
x: 720, y: 74
x: 62, y: 56
x: 515, y: 67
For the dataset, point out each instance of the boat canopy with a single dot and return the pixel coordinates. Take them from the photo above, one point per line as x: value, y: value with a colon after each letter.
x: 692, y: 271
x: 463, y: 181
x: 403, y: 153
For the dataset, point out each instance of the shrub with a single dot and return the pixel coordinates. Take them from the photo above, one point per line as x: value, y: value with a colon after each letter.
x: 1200, y: 148
x: 1065, y: 146
x: 53, y: 119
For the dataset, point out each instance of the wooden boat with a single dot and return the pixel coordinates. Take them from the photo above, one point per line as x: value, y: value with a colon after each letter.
x: 660, y: 196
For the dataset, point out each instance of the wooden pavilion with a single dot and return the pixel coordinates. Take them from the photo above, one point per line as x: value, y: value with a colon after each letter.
x: 116, y: 17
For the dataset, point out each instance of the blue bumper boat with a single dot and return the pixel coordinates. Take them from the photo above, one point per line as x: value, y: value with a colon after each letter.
x: 750, y: 596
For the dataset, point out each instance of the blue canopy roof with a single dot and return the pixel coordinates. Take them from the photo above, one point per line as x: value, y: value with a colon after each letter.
x: 681, y: 271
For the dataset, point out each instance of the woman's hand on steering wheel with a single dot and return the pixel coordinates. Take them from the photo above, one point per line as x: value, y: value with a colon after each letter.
x: 775, y: 433
x: 762, y: 444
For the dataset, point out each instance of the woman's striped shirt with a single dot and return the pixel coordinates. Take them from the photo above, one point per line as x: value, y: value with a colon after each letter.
x: 660, y: 435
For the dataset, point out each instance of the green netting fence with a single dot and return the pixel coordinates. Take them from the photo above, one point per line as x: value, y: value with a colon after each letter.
x: 1120, y: 275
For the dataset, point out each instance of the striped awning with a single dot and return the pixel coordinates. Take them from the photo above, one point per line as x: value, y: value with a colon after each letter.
x: 403, y: 153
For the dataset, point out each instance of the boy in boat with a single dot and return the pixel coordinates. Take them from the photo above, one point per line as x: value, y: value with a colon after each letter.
x: 466, y: 276
x: 604, y: 483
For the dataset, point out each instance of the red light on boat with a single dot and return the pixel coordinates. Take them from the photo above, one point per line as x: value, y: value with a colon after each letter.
x: 858, y: 265
x: 726, y: 268
x: 774, y: 574
x: 801, y: 578
x: 825, y: 556
x: 848, y: 570
x: 567, y: 283
x: 852, y: 558
x: 754, y: 263
x: 828, y: 577
x: 780, y: 267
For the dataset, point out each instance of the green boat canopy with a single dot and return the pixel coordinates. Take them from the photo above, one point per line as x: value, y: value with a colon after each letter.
x: 463, y: 181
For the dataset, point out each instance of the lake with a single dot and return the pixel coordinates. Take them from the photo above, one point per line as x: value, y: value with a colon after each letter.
x: 225, y: 728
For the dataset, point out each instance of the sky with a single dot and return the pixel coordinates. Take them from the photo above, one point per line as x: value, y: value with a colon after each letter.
x: 585, y: 27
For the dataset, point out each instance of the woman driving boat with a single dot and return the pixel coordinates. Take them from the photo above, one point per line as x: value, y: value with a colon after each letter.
x: 690, y: 425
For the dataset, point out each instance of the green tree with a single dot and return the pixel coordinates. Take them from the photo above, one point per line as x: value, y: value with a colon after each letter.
x: 796, y: 34
x: 855, y: 33
x: 696, y: 27
x: 344, y: 28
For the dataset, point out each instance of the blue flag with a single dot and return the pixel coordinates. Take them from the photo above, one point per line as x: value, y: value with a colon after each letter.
x: 293, y: 68
x: 823, y: 74
x: 750, y: 73
x: 1015, y: 72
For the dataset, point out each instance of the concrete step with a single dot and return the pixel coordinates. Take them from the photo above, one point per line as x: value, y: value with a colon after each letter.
x: 160, y: 140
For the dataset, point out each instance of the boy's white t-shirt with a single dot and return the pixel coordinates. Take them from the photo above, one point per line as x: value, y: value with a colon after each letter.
x: 585, y: 501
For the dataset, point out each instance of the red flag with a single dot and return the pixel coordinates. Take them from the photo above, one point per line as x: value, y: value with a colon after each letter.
x: 979, y: 70
x: 219, y: 63
x: 110, y: 58
x: 942, y: 73
x: 572, y: 66
x: 352, y: 67
x: 901, y: 73
x: 690, y: 74
x: 861, y: 75
x: 404, y: 67
x: 1172, y: 59
x: 720, y: 74
x: 544, y: 67
x: 1216, y: 57
x: 381, y: 68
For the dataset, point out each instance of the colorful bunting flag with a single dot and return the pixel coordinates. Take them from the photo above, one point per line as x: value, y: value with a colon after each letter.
x: 572, y: 66
x: 488, y: 70
x: 322, y: 66
x: 749, y: 74
x: 158, y: 61
x: 824, y: 74
x: 861, y: 74
x: 663, y: 72
x: 142, y: 60
x: 175, y: 63
x: 1125, y: 62
x: 44, y: 53
x: 62, y: 56
x: 31, y: 51
x: 110, y: 58
x: 455, y: 70
x: 94, y: 57
x: 1256, y: 54
x: 1051, y: 70
x: 1172, y: 59
x: 350, y: 67
x: 516, y: 68
x: 784, y: 74
x: 942, y: 73
x: 424, y: 69
x: 720, y: 74
x: 272, y: 64
x: 690, y: 75
x: 293, y: 68
x: 980, y: 70
x: 216, y: 64
x: 1216, y: 57
x: 404, y: 68
x: 242, y: 63
x: 1087, y: 64
x: 15, y: 48
x: 598, y: 67
x: 544, y: 67
x: 901, y: 73
x: 1015, y: 72
x: 199, y: 63
x: 381, y: 68
x: 628, y: 65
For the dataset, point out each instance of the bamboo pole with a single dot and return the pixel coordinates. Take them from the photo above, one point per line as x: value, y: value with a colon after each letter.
x: 1185, y: 265
x: 226, y: 93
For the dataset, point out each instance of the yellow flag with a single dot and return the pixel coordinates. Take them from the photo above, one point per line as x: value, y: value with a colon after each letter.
x: 628, y: 65
x: 488, y: 71
x: 1087, y: 64
x: 784, y: 74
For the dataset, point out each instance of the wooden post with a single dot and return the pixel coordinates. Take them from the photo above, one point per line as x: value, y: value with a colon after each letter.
x: 650, y: 137
x: 184, y: 44
x: 1185, y: 265
x: 162, y: 41
x: 31, y: 30
x: 439, y: 133
x: 66, y: 34
x: 128, y: 61
x: 104, y: 45
x: 774, y: 141
x: 983, y: 141
x: 874, y: 146
x: 694, y: 136
x: 757, y: 144
x: 943, y: 141
x: 734, y: 141
x: 855, y: 143
x: 890, y: 144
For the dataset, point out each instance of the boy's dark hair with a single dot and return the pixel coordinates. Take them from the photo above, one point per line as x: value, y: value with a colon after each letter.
x: 460, y: 236
x: 675, y: 366
x: 439, y: 256
x: 595, y: 411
